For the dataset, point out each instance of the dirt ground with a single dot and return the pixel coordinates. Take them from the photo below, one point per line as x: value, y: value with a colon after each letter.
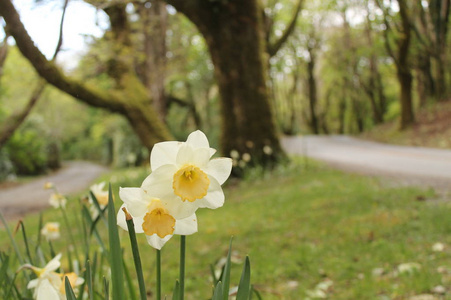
x: 16, y: 200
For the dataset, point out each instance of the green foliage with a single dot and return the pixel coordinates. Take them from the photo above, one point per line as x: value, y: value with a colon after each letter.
x: 27, y: 152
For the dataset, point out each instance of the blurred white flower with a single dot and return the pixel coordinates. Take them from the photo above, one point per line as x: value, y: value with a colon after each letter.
x: 267, y: 150
x: 184, y: 178
x: 48, y: 185
x: 247, y: 157
x: 57, y: 200
x: 438, y: 247
x: 152, y: 218
x: 51, y: 231
x: 100, y: 194
x: 234, y: 154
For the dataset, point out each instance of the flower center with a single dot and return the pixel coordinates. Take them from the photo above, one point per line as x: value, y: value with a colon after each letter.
x: 190, y: 183
x: 52, y: 228
x: 72, y: 280
x: 158, y: 221
x: 102, y: 199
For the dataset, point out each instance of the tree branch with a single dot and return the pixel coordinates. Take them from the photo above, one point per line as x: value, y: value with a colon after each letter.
x: 273, y: 48
x: 48, y: 70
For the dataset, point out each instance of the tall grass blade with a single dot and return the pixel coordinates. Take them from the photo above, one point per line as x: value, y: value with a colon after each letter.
x: 13, y: 242
x: 244, y: 287
x: 176, y: 292
x: 39, y: 233
x: 27, y: 248
x: 219, y: 291
x: 106, y: 286
x: 88, y: 279
x: 101, y: 211
x: 117, y: 273
x: 226, y: 274
x: 129, y: 281
x: 70, y: 295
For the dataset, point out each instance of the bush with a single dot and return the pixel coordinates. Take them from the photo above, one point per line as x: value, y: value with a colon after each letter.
x: 27, y: 153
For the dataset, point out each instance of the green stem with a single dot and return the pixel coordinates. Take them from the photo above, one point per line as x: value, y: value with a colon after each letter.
x: 182, y: 266
x: 158, y: 274
x: 136, y: 257
x: 66, y: 220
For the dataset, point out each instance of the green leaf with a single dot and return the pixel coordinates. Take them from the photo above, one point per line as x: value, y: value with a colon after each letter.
x: 117, y: 273
x: 88, y: 277
x: 129, y: 281
x: 99, y: 209
x: 70, y: 295
x: 213, y: 275
x: 16, y: 248
x: 244, y: 287
x: 176, y: 292
x: 218, y: 294
x: 226, y: 274
x: 256, y: 293
x: 106, y: 285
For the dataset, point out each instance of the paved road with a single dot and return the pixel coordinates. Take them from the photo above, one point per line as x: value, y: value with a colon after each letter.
x: 413, y: 165
x: 72, y: 178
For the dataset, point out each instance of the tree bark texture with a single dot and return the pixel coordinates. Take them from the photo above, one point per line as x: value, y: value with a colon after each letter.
x: 312, y: 93
x: 403, y: 65
x: 233, y: 31
x: 128, y: 99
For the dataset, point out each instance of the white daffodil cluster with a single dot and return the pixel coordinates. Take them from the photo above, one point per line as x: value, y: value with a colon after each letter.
x: 183, y: 179
x: 49, y: 285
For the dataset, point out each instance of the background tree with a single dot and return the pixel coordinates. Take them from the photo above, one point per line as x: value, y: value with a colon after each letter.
x: 398, y: 31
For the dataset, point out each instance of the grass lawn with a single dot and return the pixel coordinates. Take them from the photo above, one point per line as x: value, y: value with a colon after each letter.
x: 313, y: 232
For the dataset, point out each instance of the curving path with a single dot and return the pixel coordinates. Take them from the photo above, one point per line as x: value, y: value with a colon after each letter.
x: 410, y: 165
x: 72, y: 178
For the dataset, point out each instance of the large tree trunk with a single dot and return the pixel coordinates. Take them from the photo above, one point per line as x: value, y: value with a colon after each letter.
x: 154, y: 25
x: 403, y: 66
x: 129, y: 99
x: 234, y: 34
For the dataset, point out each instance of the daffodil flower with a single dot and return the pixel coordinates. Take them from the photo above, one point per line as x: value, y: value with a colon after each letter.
x: 74, y: 281
x: 57, y: 200
x: 51, y: 231
x: 185, y: 177
x: 101, y: 196
x: 152, y: 218
x: 47, y: 284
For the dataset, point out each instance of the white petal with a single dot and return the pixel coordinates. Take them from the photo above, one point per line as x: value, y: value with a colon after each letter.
x: 214, y: 197
x: 198, y: 139
x: 178, y: 208
x: 121, y: 221
x: 45, y: 291
x: 220, y: 168
x: 186, y: 226
x: 159, y: 183
x: 32, y: 284
x: 201, y: 157
x: 164, y: 153
x: 135, y: 199
x: 185, y: 155
x: 155, y: 241
x: 53, y: 264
